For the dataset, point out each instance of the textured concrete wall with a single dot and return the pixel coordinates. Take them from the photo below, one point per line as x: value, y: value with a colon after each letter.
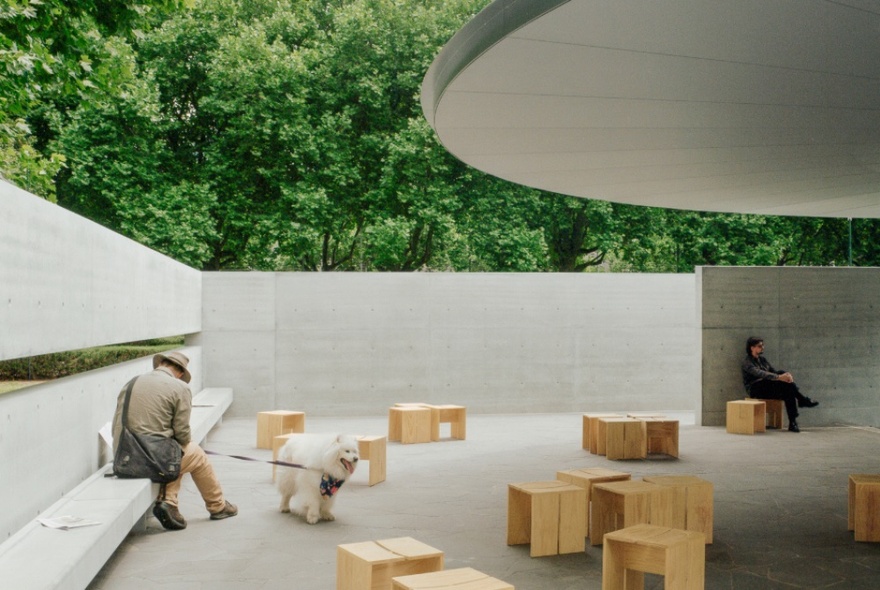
x: 822, y: 324
x: 68, y: 283
x: 353, y: 344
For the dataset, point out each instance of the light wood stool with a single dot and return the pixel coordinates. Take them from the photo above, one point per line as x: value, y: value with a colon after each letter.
x: 746, y: 416
x: 662, y: 435
x: 373, y: 449
x: 863, y: 508
x: 692, y: 502
x: 775, y: 409
x: 409, y: 424
x: 585, y: 478
x: 679, y: 556
x: 455, y: 416
x: 620, y: 504
x: 550, y: 515
x: 458, y: 579
x: 589, y: 440
x: 371, y: 565
x: 625, y: 438
x: 272, y: 423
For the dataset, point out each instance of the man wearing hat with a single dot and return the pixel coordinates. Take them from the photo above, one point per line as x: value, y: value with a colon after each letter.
x: 161, y: 403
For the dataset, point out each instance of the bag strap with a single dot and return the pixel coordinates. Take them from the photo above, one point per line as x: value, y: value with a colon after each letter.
x: 128, y: 389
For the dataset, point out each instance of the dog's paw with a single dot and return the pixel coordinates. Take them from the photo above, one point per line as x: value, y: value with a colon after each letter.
x: 285, y: 509
x: 328, y: 516
x: 312, y: 518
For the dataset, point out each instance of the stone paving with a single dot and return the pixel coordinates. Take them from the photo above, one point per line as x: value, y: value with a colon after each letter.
x: 780, y: 509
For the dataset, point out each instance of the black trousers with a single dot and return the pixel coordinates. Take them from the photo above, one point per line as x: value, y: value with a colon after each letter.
x: 787, y: 392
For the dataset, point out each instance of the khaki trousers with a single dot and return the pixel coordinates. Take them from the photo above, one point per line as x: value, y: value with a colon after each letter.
x: 195, y: 462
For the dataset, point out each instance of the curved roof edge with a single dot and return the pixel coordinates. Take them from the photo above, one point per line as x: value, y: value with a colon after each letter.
x: 489, y: 26
x: 755, y: 106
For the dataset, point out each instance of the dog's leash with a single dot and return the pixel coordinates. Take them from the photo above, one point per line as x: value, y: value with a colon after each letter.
x: 243, y: 458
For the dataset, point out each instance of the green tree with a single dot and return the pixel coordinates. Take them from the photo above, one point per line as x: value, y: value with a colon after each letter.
x: 50, y: 51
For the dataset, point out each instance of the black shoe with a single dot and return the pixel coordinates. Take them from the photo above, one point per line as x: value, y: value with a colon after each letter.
x: 807, y: 403
x: 793, y: 427
x: 169, y: 516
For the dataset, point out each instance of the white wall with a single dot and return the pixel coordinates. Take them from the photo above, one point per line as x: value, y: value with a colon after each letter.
x: 67, y: 283
x: 353, y: 344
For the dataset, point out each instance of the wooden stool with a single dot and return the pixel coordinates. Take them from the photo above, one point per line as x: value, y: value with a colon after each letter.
x: 625, y: 438
x: 585, y: 478
x: 746, y: 416
x: 271, y: 424
x: 692, y: 502
x: 373, y: 449
x: 662, y: 435
x: 458, y: 579
x: 547, y: 514
x: 372, y: 564
x: 775, y: 409
x: 409, y: 424
x: 455, y: 416
x: 620, y: 504
x: 589, y: 441
x: 863, y: 508
x: 679, y: 556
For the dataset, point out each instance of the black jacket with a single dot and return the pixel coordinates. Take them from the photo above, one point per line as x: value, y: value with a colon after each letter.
x: 757, y: 369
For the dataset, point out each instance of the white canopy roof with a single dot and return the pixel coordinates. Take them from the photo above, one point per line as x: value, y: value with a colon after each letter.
x: 753, y: 106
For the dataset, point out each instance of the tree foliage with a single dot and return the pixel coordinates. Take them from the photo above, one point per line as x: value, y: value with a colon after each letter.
x: 288, y: 135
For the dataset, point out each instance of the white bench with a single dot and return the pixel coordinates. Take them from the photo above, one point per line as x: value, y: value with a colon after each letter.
x: 37, y: 557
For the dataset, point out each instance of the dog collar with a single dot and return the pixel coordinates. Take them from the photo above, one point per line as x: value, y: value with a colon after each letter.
x: 330, y: 485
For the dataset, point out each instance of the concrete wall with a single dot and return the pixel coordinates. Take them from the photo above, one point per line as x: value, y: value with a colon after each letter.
x: 352, y: 344
x: 822, y: 324
x: 67, y: 283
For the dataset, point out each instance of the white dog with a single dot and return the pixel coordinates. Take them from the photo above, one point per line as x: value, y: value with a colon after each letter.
x: 328, y: 460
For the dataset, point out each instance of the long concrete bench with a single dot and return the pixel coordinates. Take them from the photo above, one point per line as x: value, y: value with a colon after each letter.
x: 38, y: 558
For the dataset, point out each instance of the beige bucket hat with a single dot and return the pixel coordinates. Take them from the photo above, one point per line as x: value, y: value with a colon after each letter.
x: 178, y: 359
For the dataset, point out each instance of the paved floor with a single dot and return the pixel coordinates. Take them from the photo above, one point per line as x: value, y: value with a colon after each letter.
x: 780, y: 509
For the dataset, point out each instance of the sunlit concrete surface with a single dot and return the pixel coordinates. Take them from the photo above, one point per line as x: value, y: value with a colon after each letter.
x: 780, y: 509
x: 755, y: 106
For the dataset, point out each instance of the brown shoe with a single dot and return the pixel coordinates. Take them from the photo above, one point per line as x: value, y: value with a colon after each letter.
x: 169, y: 516
x: 229, y: 509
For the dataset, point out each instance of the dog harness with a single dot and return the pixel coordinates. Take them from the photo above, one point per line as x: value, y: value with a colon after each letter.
x: 330, y: 485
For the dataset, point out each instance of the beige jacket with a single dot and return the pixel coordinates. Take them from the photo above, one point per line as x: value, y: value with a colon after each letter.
x: 160, y: 404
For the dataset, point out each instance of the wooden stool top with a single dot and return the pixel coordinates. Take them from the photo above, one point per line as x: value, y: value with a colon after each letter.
x: 465, y: 577
x: 865, y: 478
x: 409, y: 547
x: 653, y: 535
x: 593, y: 473
x: 747, y: 402
x: 391, y: 550
x: 545, y: 487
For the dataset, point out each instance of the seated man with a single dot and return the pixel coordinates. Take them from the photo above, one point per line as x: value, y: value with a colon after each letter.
x: 161, y: 403
x: 763, y: 381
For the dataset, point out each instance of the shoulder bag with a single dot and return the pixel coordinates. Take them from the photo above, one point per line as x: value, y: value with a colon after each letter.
x: 150, y: 456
